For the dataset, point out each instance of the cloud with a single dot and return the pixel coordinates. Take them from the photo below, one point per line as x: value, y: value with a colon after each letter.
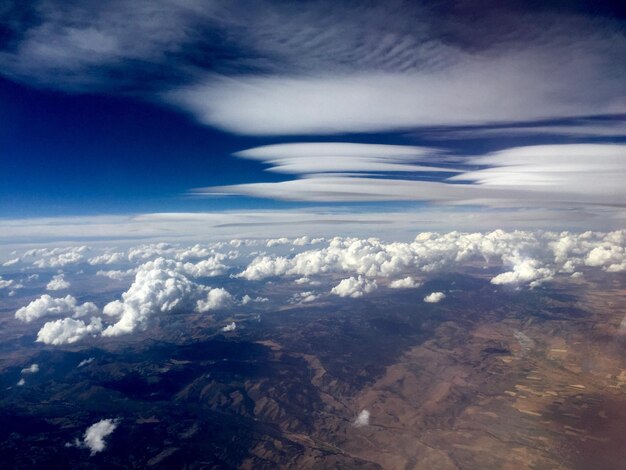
x: 6, y: 283
x: 85, y: 362
x: 518, y: 86
x: 534, y: 256
x: 95, y: 435
x: 21, y: 382
x: 354, y: 287
x: 303, y: 297
x: 593, y: 171
x: 68, y: 331
x: 32, y: 369
x: 324, y: 222
x: 434, y: 297
x: 58, y: 282
x: 46, y: 305
x: 83, y: 42
x: 215, y: 299
x: 117, y: 275
x: 278, y: 68
x: 108, y: 258
x: 533, y: 176
x: 206, y: 268
x: 525, y: 271
x: 57, y: 257
x: 404, y: 283
x: 363, y: 419
x: 324, y: 157
x: 160, y: 288
x: 230, y: 327
x: 246, y: 299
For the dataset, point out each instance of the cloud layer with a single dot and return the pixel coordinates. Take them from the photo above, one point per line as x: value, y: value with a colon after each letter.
x: 305, y: 270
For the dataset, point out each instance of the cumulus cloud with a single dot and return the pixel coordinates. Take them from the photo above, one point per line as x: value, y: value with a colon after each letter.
x: 434, y: 297
x: 47, y: 305
x: 230, y: 327
x: 303, y: 297
x: 363, y: 419
x: 354, y: 287
x: 534, y: 256
x: 525, y: 271
x: 68, y: 331
x: 404, y: 283
x: 116, y: 274
x: 108, y: 258
x: 6, y: 283
x: 215, y: 299
x: 21, y: 382
x: 57, y: 257
x: 32, y: 369
x: 160, y: 287
x: 246, y: 299
x: 58, y: 282
x: 95, y: 435
x: 276, y: 242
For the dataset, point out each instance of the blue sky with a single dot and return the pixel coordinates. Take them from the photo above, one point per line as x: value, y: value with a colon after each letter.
x: 157, y: 107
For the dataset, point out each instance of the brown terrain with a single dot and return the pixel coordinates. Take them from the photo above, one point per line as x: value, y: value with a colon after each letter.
x: 487, y: 379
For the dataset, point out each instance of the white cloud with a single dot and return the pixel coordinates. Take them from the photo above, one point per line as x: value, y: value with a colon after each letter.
x: 21, y: 382
x: 161, y: 286
x: 323, y: 157
x: 304, y: 297
x: 206, y: 268
x: 575, y: 175
x: 46, y: 305
x: 405, y: 283
x: 6, y: 283
x: 95, y: 435
x: 354, y: 287
x: 11, y: 262
x: 86, y: 362
x: 117, y: 275
x: 434, y: 297
x: 276, y: 242
x: 525, y: 271
x: 363, y: 419
x: 579, y: 172
x: 108, y: 258
x: 215, y: 299
x: 318, y: 222
x: 32, y: 369
x: 246, y: 299
x: 534, y: 256
x: 68, y: 331
x: 158, y: 288
x: 230, y: 327
x: 57, y: 257
x: 58, y: 282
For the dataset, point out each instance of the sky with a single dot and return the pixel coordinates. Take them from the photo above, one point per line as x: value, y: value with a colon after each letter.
x: 183, y: 119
